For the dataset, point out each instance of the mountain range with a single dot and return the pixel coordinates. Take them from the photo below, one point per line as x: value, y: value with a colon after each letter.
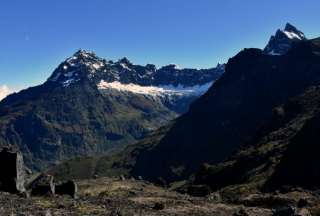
x: 238, y: 139
x: 249, y: 125
x: 91, y: 105
x: 255, y: 128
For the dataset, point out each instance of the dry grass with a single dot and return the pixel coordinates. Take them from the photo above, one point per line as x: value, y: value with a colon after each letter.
x: 107, y: 196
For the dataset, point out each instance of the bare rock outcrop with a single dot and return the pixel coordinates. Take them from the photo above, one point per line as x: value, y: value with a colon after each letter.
x: 43, y: 186
x: 12, y: 177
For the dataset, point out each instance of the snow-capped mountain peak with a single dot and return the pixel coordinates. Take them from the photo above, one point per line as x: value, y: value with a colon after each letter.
x: 84, y: 53
x: 84, y: 65
x: 281, y: 42
x: 85, y: 58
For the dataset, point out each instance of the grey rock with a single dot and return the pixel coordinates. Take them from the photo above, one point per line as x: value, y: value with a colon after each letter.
x: 122, y: 178
x: 241, y: 212
x: 43, y: 186
x: 284, y: 211
x: 12, y: 178
x: 158, y: 206
x: 67, y: 188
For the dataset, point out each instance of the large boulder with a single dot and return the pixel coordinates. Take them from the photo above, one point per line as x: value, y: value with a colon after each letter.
x: 43, y: 186
x: 12, y: 177
x: 67, y: 188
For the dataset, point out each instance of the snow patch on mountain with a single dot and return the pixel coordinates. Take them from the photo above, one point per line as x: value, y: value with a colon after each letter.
x: 98, y: 65
x: 124, y: 66
x: 176, y: 67
x: 68, y: 82
x: 293, y: 35
x: 164, y: 90
x: 273, y: 52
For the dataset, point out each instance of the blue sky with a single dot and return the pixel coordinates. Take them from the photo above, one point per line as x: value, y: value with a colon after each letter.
x: 37, y: 35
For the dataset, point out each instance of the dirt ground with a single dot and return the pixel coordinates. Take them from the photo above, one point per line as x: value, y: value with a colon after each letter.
x: 114, y: 197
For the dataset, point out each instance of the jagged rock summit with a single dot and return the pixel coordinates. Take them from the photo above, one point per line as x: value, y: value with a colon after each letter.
x: 282, y: 41
x: 169, y: 84
x: 87, y: 65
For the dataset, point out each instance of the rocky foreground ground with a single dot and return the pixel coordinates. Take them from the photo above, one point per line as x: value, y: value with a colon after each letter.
x: 116, y: 197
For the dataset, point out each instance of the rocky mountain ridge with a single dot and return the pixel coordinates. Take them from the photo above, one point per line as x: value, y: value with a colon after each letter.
x: 125, y: 72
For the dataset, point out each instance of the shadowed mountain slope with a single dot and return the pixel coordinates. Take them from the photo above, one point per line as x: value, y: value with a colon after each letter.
x: 283, y: 153
x: 232, y: 111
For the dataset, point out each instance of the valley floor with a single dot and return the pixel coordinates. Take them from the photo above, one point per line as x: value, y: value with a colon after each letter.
x: 114, y: 197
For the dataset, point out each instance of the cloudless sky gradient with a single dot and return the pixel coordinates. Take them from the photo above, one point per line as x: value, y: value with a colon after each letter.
x: 36, y: 35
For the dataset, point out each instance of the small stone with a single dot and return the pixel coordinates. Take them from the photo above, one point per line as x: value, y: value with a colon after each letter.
x: 25, y: 194
x: 48, y: 213
x: 302, y: 203
x: 61, y: 206
x: 215, y: 197
x: 158, y: 206
x: 284, y: 211
x: 116, y: 212
x: 132, y: 193
x: 241, y: 212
